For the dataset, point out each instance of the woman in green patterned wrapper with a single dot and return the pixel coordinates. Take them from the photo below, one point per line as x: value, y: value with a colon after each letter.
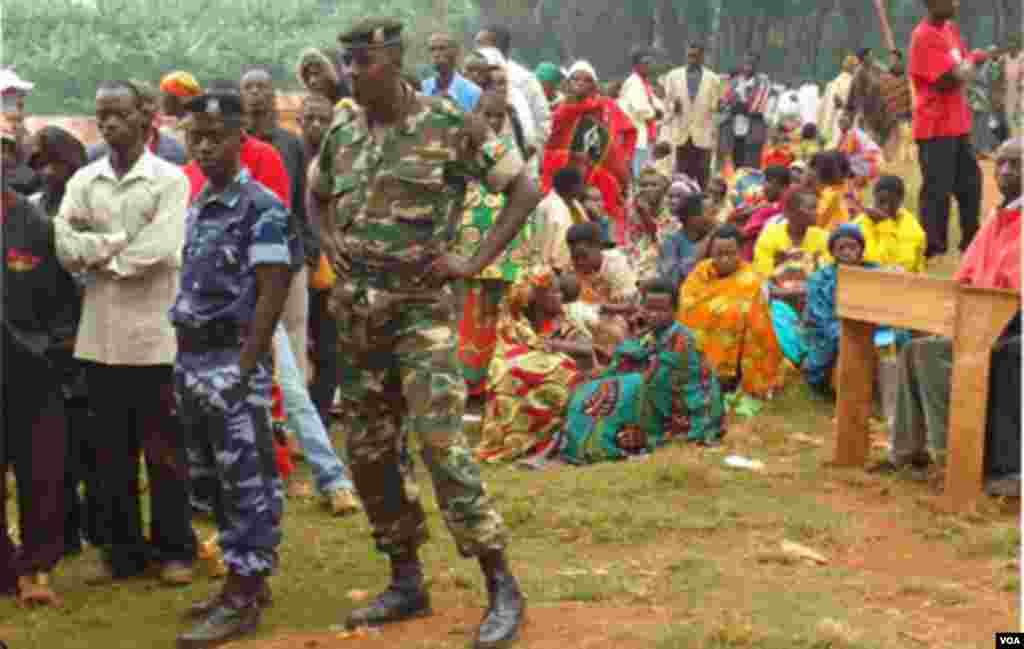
x: 480, y: 297
x: 658, y: 388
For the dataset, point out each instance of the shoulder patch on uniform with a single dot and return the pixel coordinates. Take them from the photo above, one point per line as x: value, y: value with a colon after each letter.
x: 345, y: 112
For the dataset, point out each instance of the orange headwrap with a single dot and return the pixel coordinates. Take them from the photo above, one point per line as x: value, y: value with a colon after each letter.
x: 180, y: 84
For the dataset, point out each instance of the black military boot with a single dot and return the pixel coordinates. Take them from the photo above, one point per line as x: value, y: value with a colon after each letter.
x: 506, y: 605
x: 404, y: 599
x: 237, y: 614
x: 265, y: 599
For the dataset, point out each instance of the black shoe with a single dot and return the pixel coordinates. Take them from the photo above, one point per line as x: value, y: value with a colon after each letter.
x: 264, y: 599
x: 222, y: 625
x: 393, y: 605
x: 505, y: 613
x: 236, y: 614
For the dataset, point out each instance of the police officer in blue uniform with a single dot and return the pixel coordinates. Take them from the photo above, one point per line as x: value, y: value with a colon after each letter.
x: 239, y: 256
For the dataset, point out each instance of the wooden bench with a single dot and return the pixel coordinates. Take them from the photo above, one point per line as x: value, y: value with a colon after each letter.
x: 973, y: 318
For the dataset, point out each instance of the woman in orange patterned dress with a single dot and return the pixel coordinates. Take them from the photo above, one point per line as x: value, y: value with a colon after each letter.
x: 723, y: 303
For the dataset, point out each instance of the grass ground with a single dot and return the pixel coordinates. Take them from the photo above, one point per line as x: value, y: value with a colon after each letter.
x: 677, y: 551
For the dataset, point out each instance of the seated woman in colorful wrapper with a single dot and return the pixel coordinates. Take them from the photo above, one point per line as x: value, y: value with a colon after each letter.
x: 689, y: 245
x: 541, y: 356
x: 777, y: 181
x: 717, y: 204
x: 723, y: 304
x: 658, y: 388
x: 607, y: 281
x: 480, y: 297
x: 820, y: 322
x: 649, y: 222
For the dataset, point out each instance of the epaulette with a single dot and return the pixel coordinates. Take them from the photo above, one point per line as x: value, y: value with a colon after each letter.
x: 345, y: 112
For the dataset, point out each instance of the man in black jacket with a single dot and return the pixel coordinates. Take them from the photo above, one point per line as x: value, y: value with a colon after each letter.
x: 39, y: 316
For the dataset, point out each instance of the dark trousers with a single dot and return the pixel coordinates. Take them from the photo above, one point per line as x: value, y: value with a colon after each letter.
x: 32, y: 442
x: 695, y: 162
x: 746, y: 150
x: 1003, y: 423
x: 948, y: 167
x: 83, y: 517
x: 323, y: 330
x: 135, y: 411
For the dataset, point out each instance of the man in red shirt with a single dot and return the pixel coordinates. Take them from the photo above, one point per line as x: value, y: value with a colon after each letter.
x: 940, y: 69
x: 926, y: 364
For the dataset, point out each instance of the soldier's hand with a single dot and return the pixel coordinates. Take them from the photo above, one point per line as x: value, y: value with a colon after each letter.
x: 447, y: 268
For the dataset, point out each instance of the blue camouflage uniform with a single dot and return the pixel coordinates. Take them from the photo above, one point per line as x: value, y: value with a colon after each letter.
x: 227, y: 424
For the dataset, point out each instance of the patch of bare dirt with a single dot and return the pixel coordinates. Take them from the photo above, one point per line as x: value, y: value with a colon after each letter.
x: 944, y: 600
x: 560, y: 626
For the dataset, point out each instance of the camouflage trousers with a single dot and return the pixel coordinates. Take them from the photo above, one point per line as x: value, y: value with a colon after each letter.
x: 228, y: 436
x: 401, y: 378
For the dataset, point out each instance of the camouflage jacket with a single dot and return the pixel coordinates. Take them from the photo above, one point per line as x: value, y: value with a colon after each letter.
x: 396, y: 194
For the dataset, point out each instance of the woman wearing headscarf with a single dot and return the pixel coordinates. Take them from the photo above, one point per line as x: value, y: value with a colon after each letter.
x: 541, y: 356
x: 551, y: 78
x: 821, y: 324
x: 591, y: 132
x: 722, y: 303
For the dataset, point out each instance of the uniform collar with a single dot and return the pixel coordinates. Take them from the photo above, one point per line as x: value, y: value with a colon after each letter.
x: 412, y: 107
x: 229, y: 197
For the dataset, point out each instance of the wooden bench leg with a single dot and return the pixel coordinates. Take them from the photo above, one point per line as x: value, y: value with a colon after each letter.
x: 979, y: 324
x: 854, y: 392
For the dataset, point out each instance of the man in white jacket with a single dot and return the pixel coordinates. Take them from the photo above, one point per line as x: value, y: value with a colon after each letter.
x: 638, y: 101
x: 500, y: 38
x: 692, y: 97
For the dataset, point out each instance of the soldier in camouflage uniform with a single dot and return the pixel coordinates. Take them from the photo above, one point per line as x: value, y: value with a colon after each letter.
x: 239, y: 256
x: 388, y: 198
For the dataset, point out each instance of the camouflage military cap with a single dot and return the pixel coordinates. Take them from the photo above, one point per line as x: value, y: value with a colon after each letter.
x: 372, y: 33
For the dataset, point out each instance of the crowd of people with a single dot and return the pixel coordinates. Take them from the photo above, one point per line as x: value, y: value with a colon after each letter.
x: 600, y: 271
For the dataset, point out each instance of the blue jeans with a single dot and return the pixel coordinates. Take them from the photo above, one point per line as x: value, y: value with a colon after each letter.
x: 330, y: 472
x: 640, y: 158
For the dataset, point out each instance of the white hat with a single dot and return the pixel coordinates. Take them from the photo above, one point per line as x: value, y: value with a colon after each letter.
x: 10, y: 81
x: 583, y: 66
x: 492, y: 56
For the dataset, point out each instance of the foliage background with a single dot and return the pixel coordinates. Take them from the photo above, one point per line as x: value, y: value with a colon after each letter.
x: 67, y: 46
